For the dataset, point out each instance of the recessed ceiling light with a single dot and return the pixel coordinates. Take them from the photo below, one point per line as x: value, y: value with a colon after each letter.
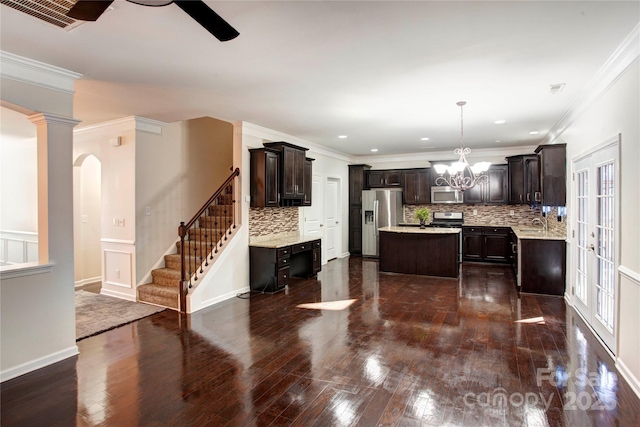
x: 498, y: 140
x: 556, y: 88
x: 374, y: 149
x: 500, y: 122
x: 424, y: 139
x: 534, y: 132
x: 342, y: 136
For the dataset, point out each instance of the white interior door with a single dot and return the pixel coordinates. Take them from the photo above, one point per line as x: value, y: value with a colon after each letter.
x: 596, y: 189
x: 313, y: 214
x: 332, y: 223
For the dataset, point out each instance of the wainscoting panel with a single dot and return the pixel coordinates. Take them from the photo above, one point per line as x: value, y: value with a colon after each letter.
x: 118, y: 268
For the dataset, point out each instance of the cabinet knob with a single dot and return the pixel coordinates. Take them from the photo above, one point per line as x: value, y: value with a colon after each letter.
x: 302, y: 247
x: 284, y: 275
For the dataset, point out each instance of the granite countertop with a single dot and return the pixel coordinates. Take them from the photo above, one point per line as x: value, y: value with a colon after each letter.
x: 533, y: 233
x: 281, y: 241
x: 418, y: 230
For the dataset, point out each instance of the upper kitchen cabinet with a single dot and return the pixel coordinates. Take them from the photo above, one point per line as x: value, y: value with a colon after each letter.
x: 553, y: 174
x: 417, y: 186
x: 383, y: 178
x: 264, y: 177
x: 356, y: 185
x: 524, y: 181
x: 307, y: 184
x: 292, y: 172
x: 491, y: 191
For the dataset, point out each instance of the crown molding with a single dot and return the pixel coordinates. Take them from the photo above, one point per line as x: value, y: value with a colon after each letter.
x: 272, y: 135
x: 37, y: 73
x: 619, y: 62
x: 432, y: 156
x: 40, y: 118
x: 118, y: 126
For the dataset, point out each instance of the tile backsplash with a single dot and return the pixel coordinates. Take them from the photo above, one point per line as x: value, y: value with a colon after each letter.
x: 272, y: 221
x: 494, y: 215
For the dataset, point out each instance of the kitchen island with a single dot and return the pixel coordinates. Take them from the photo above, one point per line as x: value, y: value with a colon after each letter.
x: 423, y: 251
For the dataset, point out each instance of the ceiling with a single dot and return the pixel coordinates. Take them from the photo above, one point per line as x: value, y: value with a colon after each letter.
x: 384, y: 73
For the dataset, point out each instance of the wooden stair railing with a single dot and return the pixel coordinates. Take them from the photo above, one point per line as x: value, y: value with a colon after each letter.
x: 207, y: 231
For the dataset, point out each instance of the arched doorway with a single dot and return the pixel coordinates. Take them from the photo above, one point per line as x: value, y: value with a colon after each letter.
x: 87, y: 222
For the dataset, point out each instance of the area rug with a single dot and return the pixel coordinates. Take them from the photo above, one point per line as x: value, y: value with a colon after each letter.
x: 97, y: 313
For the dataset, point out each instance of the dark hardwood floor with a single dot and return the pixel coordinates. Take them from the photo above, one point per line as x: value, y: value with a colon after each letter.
x: 410, y: 351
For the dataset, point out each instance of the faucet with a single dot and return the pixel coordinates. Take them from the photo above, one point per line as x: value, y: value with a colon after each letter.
x: 542, y: 221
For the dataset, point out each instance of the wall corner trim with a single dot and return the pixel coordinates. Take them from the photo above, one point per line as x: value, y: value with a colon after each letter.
x: 611, y: 71
x: 629, y: 273
x: 631, y: 379
x: 114, y: 127
x: 38, y: 363
x: 20, y: 270
x: 37, y: 73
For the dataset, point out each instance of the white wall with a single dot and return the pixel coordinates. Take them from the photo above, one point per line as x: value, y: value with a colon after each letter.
x: 37, y: 313
x: 617, y: 111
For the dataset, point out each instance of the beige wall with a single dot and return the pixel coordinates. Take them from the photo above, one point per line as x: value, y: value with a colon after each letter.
x: 176, y: 173
x: 617, y: 111
x: 87, y: 220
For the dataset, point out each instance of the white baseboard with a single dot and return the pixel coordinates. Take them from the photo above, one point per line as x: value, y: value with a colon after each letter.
x: 38, y: 363
x: 344, y: 255
x: 116, y: 294
x: 87, y: 281
x: 631, y: 379
x: 218, y: 299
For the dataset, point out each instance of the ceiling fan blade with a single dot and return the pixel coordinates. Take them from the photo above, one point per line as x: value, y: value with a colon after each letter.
x: 210, y: 20
x: 88, y: 10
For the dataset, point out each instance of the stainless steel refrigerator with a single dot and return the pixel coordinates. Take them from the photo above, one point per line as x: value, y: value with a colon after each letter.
x: 380, y: 208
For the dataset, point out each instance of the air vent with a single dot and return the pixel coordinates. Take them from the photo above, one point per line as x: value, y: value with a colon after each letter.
x: 51, y: 11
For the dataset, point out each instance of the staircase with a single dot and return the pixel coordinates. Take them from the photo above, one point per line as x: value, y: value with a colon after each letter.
x: 201, y: 240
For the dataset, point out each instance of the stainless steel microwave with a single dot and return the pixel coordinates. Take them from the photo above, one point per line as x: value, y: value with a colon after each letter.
x: 446, y: 195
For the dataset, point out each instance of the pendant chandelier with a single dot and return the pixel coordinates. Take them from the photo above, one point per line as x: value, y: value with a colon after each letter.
x: 460, y: 175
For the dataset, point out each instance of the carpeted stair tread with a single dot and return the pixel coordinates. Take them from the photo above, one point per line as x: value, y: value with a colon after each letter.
x: 174, y: 261
x: 157, y: 294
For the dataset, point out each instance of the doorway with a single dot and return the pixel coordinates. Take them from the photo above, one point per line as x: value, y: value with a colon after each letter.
x: 87, y: 195
x: 596, y: 187
x: 333, y: 236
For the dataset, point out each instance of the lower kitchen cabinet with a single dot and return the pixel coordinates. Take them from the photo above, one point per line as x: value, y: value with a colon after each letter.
x: 481, y: 243
x: 542, y: 266
x: 272, y: 268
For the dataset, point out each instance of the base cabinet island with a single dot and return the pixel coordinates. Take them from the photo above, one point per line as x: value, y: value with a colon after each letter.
x: 423, y: 251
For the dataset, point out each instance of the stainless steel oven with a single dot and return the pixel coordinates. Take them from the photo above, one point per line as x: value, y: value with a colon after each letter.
x: 446, y: 195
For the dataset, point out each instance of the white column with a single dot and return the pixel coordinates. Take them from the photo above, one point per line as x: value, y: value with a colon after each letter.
x: 55, y: 187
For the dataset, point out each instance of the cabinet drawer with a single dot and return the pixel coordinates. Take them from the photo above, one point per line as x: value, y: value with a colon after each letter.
x: 316, y: 244
x: 474, y: 230
x: 300, y: 247
x: 284, y: 262
x: 496, y: 230
x: 283, y: 276
x: 284, y: 252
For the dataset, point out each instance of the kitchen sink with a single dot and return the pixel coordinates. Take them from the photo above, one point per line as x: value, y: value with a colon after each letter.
x: 531, y: 230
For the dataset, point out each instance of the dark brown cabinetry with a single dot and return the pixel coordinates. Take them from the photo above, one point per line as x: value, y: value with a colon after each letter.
x: 542, y: 266
x: 281, y: 175
x: 491, y: 191
x: 356, y: 185
x: 264, y: 177
x: 553, y: 174
x: 485, y: 244
x: 272, y: 268
x: 417, y: 186
x: 419, y: 253
x: 307, y: 182
x: 383, y: 178
x: 524, y: 181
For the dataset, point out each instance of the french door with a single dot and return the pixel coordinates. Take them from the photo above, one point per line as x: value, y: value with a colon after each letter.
x: 595, y: 256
